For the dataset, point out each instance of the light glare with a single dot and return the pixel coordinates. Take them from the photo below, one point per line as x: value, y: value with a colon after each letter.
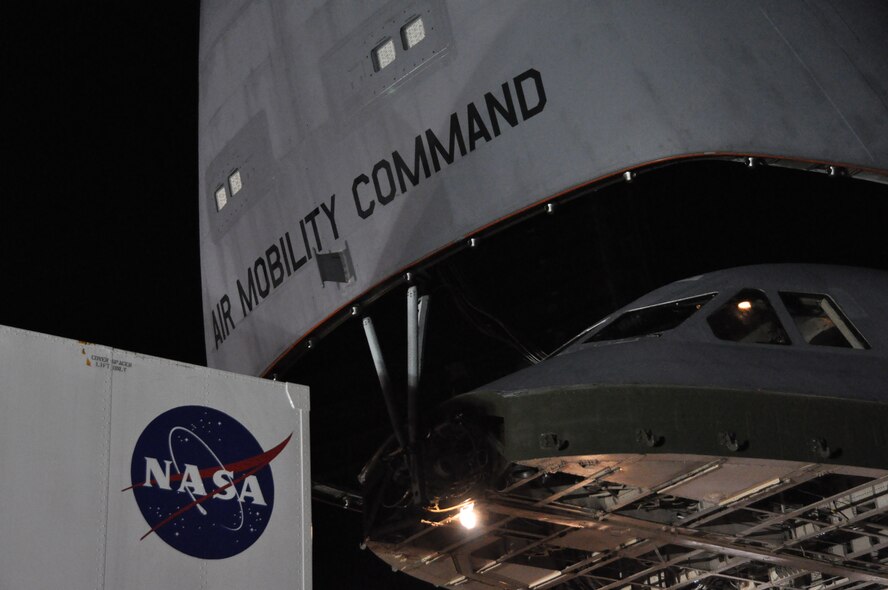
x: 468, y: 517
x: 744, y: 306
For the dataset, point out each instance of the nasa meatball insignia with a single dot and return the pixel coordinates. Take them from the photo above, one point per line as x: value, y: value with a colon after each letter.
x: 203, y: 482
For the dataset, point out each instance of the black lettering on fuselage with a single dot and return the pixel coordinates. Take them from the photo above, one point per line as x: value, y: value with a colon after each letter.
x: 286, y: 258
x: 263, y: 290
x: 477, y: 129
x: 455, y: 140
x: 310, y: 218
x: 515, y: 101
x: 528, y: 112
x: 419, y: 158
x: 384, y: 198
x: 297, y: 264
x: 489, y: 122
x: 217, y: 333
x: 225, y: 304
x: 495, y: 108
x: 329, y: 212
x: 275, y: 269
x: 269, y: 271
x: 248, y: 298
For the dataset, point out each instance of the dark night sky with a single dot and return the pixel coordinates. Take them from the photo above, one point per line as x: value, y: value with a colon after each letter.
x: 99, y: 223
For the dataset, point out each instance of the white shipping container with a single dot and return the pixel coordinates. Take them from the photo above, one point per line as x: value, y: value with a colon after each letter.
x: 127, y: 471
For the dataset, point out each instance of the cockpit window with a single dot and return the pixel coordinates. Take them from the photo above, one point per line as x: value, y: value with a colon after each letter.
x: 821, y: 322
x: 655, y: 319
x: 748, y: 317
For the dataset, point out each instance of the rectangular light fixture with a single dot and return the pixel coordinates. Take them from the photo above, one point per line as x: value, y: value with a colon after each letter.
x: 234, y: 182
x: 383, y: 54
x: 221, y: 198
x: 412, y: 33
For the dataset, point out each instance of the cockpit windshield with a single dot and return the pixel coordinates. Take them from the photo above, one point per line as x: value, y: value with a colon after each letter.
x: 820, y: 321
x: 655, y: 319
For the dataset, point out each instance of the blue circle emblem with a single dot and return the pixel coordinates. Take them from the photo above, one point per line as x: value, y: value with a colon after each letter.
x: 203, y: 482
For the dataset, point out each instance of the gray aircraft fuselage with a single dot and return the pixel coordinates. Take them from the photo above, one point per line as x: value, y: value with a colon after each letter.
x: 337, y: 175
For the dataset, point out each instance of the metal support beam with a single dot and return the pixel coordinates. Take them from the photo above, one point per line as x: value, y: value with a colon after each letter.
x: 800, y: 511
x: 412, y: 364
x: 684, y: 537
x: 423, y: 313
x: 385, y: 381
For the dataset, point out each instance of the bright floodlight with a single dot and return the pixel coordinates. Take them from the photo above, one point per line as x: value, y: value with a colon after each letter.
x: 234, y: 182
x: 221, y: 198
x: 412, y: 33
x: 744, y: 305
x: 384, y: 54
x: 468, y: 517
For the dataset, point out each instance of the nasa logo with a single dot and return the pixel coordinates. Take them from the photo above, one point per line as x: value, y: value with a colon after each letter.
x: 202, y: 482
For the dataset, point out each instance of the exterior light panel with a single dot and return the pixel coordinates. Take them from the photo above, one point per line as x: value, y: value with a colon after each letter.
x: 412, y: 33
x: 383, y: 54
x: 234, y: 182
x: 221, y: 198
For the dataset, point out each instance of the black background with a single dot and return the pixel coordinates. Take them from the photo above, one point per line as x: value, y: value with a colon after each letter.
x: 99, y: 211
